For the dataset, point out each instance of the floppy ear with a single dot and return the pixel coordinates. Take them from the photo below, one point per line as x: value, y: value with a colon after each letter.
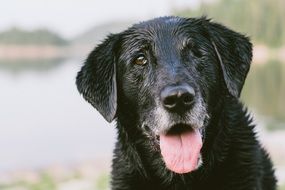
x: 96, y: 80
x: 234, y: 52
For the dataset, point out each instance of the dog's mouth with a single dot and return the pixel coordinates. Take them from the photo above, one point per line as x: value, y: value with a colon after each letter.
x: 178, y: 129
x: 180, y: 148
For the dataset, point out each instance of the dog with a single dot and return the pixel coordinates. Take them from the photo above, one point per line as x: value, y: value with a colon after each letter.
x: 173, y: 85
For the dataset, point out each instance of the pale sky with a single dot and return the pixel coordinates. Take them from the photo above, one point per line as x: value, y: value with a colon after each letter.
x: 71, y: 17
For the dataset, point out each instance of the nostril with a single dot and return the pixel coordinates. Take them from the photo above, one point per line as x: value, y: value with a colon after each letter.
x: 170, y: 101
x: 187, y: 99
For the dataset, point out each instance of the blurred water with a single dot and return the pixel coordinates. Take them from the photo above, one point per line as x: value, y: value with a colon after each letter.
x: 264, y: 91
x: 43, y: 120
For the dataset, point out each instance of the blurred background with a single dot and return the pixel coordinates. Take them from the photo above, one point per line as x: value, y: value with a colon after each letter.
x: 51, y: 139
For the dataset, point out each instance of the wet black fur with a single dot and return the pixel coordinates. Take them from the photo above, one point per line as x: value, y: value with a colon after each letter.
x: 233, y: 159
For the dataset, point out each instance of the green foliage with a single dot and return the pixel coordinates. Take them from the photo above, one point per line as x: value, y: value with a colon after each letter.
x: 263, y: 20
x: 264, y: 90
x: 282, y: 187
x: 36, y: 37
x: 46, y: 183
x: 102, y: 182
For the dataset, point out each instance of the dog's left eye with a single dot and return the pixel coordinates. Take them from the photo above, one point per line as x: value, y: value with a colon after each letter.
x: 189, y: 45
x: 140, y: 60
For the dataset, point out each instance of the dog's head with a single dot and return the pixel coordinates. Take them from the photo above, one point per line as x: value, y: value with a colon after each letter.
x: 167, y: 73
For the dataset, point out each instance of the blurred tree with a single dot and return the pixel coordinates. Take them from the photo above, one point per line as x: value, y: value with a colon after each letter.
x: 40, y: 36
x: 263, y: 20
x: 264, y: 89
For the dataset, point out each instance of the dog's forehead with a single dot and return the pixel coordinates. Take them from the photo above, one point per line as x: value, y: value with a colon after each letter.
x: 159, y: 27
x: 162, y: 23
x: 159, y: 30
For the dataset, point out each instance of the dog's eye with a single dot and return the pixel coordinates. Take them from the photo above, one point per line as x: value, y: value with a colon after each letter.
x: 189, y: 45
x: 196, y: 52
x: 140, y: 60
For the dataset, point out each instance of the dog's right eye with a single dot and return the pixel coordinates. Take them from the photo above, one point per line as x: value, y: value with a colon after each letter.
x: 140, y: 60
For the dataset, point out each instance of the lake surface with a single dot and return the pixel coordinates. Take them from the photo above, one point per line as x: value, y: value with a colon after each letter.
x: 44, y: 120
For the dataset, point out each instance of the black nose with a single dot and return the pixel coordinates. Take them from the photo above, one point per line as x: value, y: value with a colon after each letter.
x: 177, y: 98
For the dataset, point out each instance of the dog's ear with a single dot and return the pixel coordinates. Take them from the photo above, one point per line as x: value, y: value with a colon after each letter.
x: 234, y: 52
x: 96, y: 80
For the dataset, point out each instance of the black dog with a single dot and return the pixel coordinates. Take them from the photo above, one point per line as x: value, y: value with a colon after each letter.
x: 173, y: 85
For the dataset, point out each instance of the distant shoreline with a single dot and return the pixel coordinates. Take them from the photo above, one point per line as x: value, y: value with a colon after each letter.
x: 34, y: 52
x: 262, y: 54
x: 13, y: 52
x: 16, y: 52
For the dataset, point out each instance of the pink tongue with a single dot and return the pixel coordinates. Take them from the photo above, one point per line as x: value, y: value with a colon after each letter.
x: 180, y: 152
